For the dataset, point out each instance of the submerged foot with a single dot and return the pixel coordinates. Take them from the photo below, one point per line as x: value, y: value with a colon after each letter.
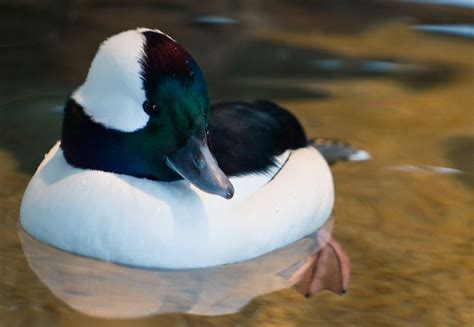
x: 327, y: 269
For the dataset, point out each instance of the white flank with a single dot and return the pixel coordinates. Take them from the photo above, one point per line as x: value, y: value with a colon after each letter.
x: 174, y: 225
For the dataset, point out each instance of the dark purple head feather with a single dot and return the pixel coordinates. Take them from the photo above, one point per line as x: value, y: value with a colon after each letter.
x: 164, y: 59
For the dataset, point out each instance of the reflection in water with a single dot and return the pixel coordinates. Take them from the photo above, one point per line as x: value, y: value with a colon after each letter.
x: 447, y: 27
x: 461, y: 3
x: 426, y: 169
x: 466, y: 30
x: 215, y: 20
x: 381, y: 66
x: 266, y: 61
x: 329, y: 64
x: 368, y: 67
x: 268, y: 89
x: 104, y: 289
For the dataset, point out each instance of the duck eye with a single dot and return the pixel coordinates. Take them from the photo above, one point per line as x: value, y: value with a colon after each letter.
x: 150, y: 108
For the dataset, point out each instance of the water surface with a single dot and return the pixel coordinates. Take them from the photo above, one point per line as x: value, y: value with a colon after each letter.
x: 359, y: 71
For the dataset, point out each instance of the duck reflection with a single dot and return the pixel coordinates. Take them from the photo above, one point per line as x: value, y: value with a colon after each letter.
x: 108, y: 290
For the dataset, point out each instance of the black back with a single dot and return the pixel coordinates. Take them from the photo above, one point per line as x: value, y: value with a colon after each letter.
x: 245, y: 136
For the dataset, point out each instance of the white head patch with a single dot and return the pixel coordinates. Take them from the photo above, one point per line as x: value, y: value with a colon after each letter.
x: 113, y: 94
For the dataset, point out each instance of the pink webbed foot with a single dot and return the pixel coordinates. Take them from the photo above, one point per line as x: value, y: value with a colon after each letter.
x: 327, y: 269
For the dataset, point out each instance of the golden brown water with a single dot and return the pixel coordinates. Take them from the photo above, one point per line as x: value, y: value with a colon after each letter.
x: 409, y: 233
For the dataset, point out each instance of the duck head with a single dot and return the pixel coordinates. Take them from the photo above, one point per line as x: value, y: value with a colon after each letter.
x: 143, y: 111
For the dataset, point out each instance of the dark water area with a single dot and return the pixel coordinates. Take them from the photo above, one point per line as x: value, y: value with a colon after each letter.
x: 362, y: 71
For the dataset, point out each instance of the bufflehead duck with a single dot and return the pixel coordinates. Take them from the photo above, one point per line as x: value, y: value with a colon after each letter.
x: 147, y: 173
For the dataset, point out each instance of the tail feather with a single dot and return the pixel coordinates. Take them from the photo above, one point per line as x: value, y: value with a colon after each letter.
x: 334, y: 150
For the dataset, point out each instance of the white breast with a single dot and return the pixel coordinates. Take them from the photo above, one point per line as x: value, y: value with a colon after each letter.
x: 174, y: 225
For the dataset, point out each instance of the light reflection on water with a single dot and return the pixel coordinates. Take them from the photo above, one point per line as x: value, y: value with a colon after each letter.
x: 453, y: 29
x: 461, y: 3
x: 359, y: 72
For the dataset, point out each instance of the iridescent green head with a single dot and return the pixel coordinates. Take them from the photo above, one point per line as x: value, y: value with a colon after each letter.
x: 143, y: 111
x: 175, y: 90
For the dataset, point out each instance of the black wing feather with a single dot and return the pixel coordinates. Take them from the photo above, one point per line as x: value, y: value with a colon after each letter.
x: 245, y: 136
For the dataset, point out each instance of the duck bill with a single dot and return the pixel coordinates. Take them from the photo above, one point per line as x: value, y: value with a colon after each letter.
x: 195, y: 163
